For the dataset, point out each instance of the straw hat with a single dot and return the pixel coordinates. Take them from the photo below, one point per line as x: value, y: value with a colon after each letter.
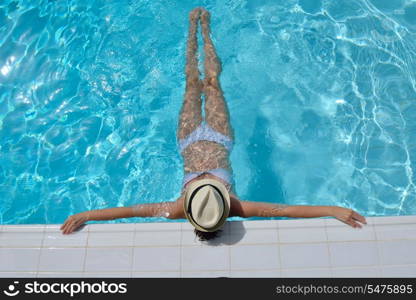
x: 207, y: 204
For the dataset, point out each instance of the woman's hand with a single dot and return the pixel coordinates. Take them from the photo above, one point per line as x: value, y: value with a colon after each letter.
x: 348, y: 216
x: 73, y: 222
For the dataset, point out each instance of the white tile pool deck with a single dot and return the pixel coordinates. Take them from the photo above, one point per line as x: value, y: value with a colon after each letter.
x: 386, y: 247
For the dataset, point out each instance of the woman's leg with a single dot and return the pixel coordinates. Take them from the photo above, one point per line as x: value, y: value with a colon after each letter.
x: 216, y: 111
x: 190, y: 116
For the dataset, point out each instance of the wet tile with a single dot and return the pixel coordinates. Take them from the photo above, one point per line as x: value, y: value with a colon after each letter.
x: 53, y: 238
x: 308, y: 223
x: 329, y: 222
x: 347, y: 233
x: 104, y: 227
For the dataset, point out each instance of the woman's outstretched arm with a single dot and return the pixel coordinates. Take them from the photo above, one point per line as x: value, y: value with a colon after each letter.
x: 247, y: 209
x: 171, y: 210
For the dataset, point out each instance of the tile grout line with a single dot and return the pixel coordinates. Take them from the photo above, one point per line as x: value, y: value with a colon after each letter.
x: 131, y: 258
x: 132, y: 254
x: 246, y: 228
x: 378, y: 267
x: 199, y: 245
x: 331, y: 267
x: 85, y: 252
x: 380, y: 262
x: 376, y: 240
x: 216, y: 270
x: 40, y: 251
x: 246, y: 221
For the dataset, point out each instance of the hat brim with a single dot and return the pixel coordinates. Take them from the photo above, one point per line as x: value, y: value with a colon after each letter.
x: 225, y: 195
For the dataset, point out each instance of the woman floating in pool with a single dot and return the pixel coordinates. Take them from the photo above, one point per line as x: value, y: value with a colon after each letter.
x: 208, y: 197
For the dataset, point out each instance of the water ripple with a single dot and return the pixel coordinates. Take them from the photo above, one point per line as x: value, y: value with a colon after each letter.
x: 90, y: 94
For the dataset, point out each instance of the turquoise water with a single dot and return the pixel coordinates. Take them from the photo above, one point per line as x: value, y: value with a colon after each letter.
x: 322, y: 97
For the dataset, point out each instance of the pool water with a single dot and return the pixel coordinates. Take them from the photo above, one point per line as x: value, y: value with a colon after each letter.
x: 322, y: 97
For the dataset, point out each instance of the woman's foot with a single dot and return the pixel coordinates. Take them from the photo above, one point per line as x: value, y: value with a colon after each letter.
x: 212, y: 64
x: 205, y: 22
x: 194, y: 15
x: 192, y: 40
